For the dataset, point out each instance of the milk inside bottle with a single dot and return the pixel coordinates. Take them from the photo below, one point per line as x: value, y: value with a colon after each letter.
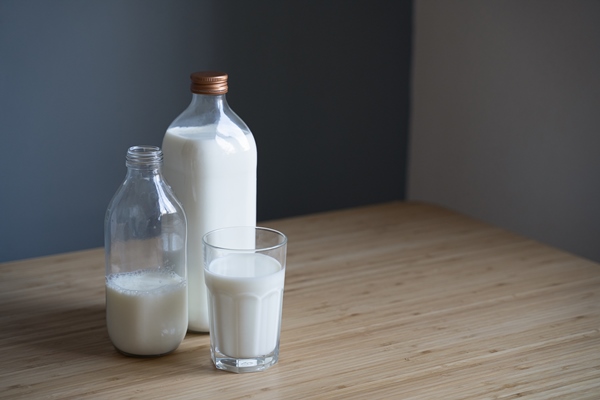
x: 146, y: 311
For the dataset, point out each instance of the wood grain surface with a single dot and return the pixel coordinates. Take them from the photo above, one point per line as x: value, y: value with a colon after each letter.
x: 392, y: 301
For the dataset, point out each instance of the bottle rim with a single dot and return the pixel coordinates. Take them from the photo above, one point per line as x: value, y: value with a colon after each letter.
x: 144, y: 155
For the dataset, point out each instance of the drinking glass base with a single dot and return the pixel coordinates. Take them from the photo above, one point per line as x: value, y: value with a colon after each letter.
x: 242, y: 365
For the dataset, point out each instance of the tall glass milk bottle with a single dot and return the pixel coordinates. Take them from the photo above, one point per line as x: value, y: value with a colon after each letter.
x: 210, y: 161
x: 145, y: 243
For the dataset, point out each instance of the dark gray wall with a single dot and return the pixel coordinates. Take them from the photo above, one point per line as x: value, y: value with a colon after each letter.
x: 322, y: 84
x: 514, y: 87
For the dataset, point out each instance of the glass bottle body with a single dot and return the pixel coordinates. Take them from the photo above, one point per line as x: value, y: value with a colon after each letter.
x: 146, y: 271
x: 210, y: 161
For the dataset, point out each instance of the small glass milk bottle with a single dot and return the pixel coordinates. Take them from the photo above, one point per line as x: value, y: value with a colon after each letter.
x: 145, y: 238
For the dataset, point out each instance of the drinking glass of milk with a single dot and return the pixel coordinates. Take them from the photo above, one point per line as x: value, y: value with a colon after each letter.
x: 244, y: 271
x: 145, y: 243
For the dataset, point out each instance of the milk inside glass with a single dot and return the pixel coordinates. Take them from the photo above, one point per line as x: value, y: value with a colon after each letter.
x: 146, y: 311
x: 212, y: 170
x: 245, y: 296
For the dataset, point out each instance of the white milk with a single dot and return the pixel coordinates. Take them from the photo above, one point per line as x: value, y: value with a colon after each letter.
x: 146, y: 311
x: 215, y: 180
x: 245, y: 299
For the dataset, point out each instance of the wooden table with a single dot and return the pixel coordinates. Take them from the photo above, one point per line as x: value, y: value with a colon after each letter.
x: 399, y: 300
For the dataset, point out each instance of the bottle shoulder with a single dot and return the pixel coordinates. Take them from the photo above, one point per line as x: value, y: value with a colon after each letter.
x: 209, y: 111
x: 145, y: 198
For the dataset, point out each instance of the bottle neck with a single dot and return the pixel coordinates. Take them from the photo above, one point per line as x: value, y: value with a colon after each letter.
x: 147, y: 173
x: 209, y: 102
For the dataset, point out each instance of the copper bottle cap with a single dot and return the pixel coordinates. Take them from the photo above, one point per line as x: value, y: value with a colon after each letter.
x: 209, y: 82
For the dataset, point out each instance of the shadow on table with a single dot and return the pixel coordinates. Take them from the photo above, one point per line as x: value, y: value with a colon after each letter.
x: 48, y: 325
x: 50, y: 330
x: 53, y: 333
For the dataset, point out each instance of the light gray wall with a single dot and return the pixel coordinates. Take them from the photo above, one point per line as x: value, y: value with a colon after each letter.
x: 322, y: 85
x: 505, y: 122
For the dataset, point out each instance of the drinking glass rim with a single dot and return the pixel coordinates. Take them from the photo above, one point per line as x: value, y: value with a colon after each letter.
x: 255, y: 228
